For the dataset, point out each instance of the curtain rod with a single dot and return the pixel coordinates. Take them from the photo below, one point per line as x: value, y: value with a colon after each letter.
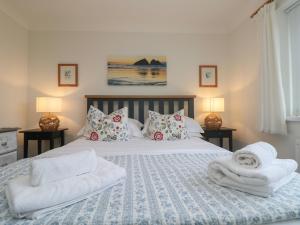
x: 294, y: 5
x: 260, y: 7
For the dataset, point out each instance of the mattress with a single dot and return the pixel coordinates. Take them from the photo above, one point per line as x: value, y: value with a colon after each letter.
x: 166, y: 184
x: 138, y: 146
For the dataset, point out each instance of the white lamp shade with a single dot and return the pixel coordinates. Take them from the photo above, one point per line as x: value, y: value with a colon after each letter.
x: 213, y: 105
x: 48, y: 104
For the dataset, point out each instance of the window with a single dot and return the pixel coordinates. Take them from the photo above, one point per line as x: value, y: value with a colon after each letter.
x: 294, y: 51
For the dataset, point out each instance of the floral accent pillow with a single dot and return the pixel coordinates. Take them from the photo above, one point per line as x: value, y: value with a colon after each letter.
x: 167, y: 127
x: 112, y: 127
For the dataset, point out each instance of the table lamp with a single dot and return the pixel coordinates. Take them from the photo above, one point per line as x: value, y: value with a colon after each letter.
x: 213, y: 105
x: 47, y: 106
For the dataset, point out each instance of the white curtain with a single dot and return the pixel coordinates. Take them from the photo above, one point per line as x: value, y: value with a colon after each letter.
x: 273, y: 108
x: 288, y: 14
x: 292, y: 16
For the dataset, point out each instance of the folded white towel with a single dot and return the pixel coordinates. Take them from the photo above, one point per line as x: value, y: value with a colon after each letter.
x: 46, y: 170
x: 262, y: 191
x: 257, y: 155
x: 262, y: 182
x: 32, y: 202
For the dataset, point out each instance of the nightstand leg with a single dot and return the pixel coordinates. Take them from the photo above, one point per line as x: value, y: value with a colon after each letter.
x: 39, y: 147
x: 62, y: 139
x: 230, y: 143
x: 25, y: 148
x: 51, y: 143
x: 221, y: 142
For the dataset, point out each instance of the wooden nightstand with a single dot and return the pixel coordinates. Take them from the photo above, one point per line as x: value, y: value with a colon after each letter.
x: 223, y: 132
x: 39, y: 135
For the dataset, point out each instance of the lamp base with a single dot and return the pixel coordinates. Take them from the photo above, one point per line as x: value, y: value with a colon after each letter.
x: 49, y: 122
x: 213, y: 121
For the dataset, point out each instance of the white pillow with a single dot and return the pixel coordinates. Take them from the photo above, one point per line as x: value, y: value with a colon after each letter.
x: 134, y: 128
x: 81, y: 131
x: 146, y: 127
x: 193, y: 127
x: 195, y: 134
x: 135, y: 122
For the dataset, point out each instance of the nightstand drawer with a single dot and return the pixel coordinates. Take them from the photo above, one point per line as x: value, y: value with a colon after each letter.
x: 8, y: 141
x: 8, y: 158
x: 217, y: 134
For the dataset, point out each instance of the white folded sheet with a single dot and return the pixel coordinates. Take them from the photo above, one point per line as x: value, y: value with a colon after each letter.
x: 257, y: 155
x: 261, y: 182
x: 46, y: 170
x: 33, y: 202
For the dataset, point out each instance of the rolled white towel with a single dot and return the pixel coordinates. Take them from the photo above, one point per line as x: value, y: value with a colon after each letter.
x: 47, y: 170
x: 262, y: 182
x: 27, y: 201
x: 255, y: 156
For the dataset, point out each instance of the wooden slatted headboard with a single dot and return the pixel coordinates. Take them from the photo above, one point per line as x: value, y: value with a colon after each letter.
x: 143, y: 103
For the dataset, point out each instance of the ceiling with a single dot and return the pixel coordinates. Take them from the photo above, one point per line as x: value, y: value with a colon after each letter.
x: 178, y: 16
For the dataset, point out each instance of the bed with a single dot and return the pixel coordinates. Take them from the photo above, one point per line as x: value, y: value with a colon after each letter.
x: 166, y: 181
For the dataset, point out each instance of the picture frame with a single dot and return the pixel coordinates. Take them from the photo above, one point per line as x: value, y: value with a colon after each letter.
x: 208, y: 76
x: 139, y: 70
x: 67, y: 75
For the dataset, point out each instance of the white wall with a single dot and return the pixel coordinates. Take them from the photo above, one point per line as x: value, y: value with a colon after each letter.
x: 244, y: 94
x: 13, y: 73
x: 185, y: 52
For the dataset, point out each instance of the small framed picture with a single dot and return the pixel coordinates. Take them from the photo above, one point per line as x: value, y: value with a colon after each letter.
x: 67, y: 75
x: 208, y: 76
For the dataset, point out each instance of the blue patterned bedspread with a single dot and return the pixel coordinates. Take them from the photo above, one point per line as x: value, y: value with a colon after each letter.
x: 165, y: 189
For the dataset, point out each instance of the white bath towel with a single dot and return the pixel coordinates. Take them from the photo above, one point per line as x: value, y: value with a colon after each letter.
x: 261, y: 182
x: 46, y: 170
x: 255, y: 156
x: 32, y: 202
x: 262, y: 191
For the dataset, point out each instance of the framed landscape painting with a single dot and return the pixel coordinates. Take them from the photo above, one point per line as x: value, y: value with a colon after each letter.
x: 137, y: 70
x: 208, y: 76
